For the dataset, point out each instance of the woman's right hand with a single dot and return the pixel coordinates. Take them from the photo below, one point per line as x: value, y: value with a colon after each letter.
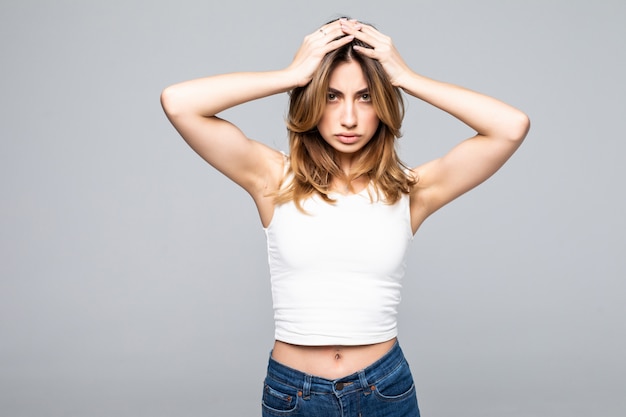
x: 313, y: 49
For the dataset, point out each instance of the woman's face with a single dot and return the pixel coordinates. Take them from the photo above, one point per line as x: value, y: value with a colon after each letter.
x: 349, y: 120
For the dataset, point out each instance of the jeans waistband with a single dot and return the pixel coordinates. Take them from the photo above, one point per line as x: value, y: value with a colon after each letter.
x: 361, y: 380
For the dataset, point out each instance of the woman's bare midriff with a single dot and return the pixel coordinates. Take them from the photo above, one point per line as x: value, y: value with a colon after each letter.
x: 330, y: 362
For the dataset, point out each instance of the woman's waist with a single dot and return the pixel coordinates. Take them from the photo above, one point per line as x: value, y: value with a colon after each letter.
x: 330, y: 362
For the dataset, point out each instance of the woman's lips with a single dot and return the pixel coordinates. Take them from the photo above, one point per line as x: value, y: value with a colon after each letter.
x: 347, y: 138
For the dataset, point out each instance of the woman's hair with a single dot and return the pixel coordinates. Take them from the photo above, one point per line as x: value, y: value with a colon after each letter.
x: 314, y: 163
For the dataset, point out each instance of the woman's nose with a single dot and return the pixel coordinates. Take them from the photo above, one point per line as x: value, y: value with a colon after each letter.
x: 348, y: 115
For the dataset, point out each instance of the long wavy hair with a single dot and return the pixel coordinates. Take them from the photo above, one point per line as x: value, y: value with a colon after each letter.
x: 313, y: 163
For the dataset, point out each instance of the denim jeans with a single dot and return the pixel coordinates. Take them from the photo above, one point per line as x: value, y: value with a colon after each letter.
x: 383, y: 389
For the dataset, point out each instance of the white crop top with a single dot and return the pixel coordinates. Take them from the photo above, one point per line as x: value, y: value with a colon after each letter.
x: 336, y: 271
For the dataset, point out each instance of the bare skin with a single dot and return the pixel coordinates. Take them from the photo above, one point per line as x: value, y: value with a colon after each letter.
x: 330, y: 362
x: 192, y: 107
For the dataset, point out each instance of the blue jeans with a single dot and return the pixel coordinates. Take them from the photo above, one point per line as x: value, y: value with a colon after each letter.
x: 383, y: 389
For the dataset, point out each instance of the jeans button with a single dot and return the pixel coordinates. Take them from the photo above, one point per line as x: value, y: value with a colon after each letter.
x: 339, y: 386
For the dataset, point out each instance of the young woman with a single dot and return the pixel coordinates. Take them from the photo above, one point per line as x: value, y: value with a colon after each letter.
x: 340, y: 210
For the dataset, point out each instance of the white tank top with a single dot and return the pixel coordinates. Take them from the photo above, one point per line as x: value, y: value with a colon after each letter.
x: 336, y: 271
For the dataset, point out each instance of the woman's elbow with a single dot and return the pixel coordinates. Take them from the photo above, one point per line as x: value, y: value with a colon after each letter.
x: 170, y: 101
x: 519, y: 127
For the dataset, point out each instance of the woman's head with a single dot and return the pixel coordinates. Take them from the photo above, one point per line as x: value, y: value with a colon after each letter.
x: 308, y: 103
x: 314, y: 161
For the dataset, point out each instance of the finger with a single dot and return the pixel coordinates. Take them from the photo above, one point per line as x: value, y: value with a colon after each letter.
x: 333, y: 36
x: 374, y: 35
x: 338, y: 43
x: 356, y: 29
x: 331, y: 29
x: 365, y: 38
x: 332, y: 33
x: 368, y: 52
x: 365, y: 33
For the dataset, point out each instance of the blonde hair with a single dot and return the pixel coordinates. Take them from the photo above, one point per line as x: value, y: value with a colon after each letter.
x: 313, y: 162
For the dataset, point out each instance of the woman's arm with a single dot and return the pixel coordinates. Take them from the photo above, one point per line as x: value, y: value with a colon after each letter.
x: 500, y: 128
x: 192, y: 108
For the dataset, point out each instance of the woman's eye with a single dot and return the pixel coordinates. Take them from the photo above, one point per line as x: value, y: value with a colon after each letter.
x: 331, y: 97
x: 366, y: 97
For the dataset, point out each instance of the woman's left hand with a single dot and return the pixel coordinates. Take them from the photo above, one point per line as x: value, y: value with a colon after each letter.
x: 382, y: 49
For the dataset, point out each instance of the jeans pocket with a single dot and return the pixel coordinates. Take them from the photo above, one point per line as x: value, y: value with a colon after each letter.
x: 396, y: 386
x: 278, y: 399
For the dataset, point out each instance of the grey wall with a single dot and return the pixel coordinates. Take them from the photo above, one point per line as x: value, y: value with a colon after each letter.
x: 134, y: 278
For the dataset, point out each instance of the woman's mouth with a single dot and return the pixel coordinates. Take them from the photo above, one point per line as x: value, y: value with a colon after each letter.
x: 347, y: 138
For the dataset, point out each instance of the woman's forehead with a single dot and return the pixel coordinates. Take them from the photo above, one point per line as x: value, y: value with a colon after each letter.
x: 346, y: 77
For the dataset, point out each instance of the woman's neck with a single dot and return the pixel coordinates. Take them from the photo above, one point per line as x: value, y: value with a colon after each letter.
x: 355, y: 185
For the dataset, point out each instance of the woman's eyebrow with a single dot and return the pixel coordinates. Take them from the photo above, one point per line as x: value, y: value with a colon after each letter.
x: 339, y: 93
x: 335, y: 91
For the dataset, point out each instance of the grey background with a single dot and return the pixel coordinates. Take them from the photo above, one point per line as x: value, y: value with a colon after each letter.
x: 134, y: 278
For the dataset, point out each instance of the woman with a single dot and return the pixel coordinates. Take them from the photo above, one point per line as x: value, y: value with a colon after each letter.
x: 341, y: 209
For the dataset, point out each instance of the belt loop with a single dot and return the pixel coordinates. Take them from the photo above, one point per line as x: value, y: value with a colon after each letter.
x: 366, y: 387
x: 306, y: 389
